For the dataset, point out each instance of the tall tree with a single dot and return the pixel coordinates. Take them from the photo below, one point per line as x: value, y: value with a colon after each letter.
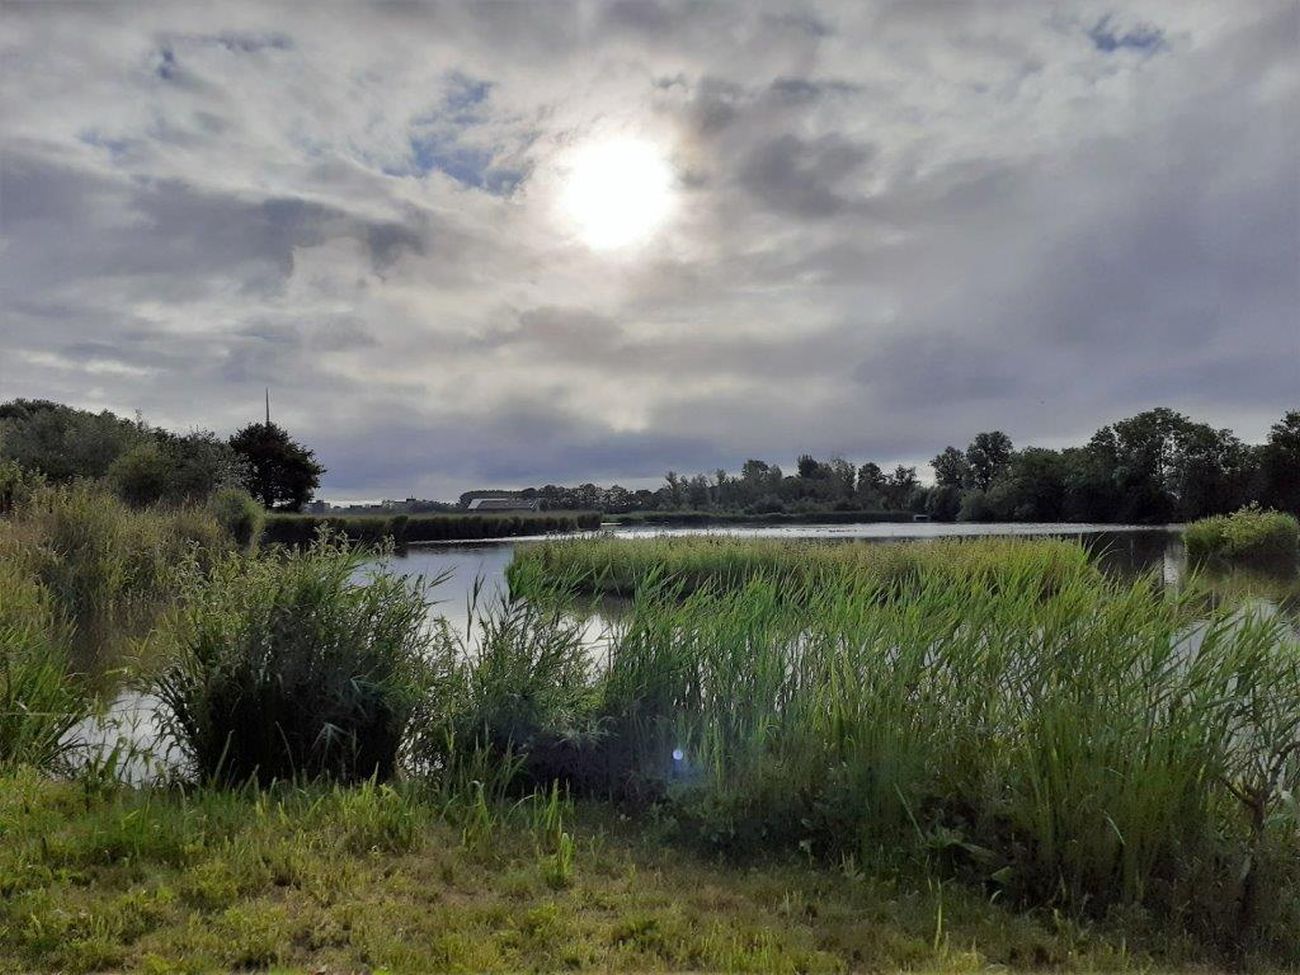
x: 281, y: 473
x: 1279, y: 461
x: 951, y: 468
x: 988, y: 455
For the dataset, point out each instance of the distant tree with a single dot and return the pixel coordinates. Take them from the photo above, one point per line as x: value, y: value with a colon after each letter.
x: 988, y: 456
x: 697, y: 492
x: 675, y: 489
x: 619, y: 499
x: 281, y: 473
x: 898, y: 487
x: 843, y: 477
x: 808, y: 467
x: 1032, y: 488
x: 951, y: 468
x: 944, y: 502
x: 871, y: 486
x: 1279, y: 463
x: 61, y: 442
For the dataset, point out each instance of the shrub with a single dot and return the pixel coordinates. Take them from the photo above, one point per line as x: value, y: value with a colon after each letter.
x: 1250, y: 535
x: 141, y: 474
x: 16, y: 486
x: 40, y: 704
x: 294, y: 664
x: 239, y: 514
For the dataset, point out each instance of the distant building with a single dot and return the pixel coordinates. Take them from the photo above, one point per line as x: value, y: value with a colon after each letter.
x: 504, y: 504
x: 316, y: 507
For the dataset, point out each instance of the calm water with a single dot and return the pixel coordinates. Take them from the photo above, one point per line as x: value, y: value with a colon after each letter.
x: 1125, y: 551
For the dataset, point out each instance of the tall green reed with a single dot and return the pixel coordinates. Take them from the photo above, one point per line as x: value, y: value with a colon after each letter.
x: 296, y: 664
x: 40, y: 701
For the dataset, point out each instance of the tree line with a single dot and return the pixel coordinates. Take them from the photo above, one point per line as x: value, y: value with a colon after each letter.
x: 146, y: 464
x: 1156, y: 467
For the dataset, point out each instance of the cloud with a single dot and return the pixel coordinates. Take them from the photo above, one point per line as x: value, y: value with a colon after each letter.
x: 897, y: 224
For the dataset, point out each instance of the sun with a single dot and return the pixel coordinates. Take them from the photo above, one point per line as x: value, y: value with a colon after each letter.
x: 616, y: 192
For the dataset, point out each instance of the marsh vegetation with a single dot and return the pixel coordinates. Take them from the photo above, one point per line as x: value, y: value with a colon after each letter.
x: 1043, y: 761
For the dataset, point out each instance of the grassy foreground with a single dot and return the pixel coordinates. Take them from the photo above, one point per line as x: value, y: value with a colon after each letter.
x: 373, y: 878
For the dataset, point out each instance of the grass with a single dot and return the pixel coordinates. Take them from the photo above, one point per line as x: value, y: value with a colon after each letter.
x: 998, y: 707
x: 295, y: 529
x: 40, y: 702
x: 1250, y: 536
x: 315, y: 878
x: 291, y: 665
x: 109, y: 571
x: 611, y: 566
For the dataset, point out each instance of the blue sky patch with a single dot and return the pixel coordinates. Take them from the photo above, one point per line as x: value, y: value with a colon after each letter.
x: 1144, y: 37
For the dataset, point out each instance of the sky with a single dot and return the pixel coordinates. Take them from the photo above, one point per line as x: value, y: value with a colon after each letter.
x: 497, y: 245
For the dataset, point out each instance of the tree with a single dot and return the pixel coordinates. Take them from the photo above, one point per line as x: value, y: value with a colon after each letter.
x: 281, y: 472
x: 1279, y: 462
x: 951, y: 468
x: 61, y: 442
x: 898, y: 487
x: 675, y: 487
x: 808, y: 467
x: 843, y: 477
x: 988, y: 456
x: 871, y: 485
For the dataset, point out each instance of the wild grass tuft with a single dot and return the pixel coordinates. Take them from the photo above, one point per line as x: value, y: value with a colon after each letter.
x: 40, y: 701
x: 295, y: 664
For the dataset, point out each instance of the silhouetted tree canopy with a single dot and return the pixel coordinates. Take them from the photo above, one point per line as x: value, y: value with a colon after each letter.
x: 281, y: 473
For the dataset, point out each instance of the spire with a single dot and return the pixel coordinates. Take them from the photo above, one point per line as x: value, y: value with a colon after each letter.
x: 268, y: 406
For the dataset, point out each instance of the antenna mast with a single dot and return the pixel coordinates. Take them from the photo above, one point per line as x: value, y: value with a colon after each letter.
x: 268, y: 406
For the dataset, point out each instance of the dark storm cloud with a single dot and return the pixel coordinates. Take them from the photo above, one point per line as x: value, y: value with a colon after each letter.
x: 896, y: 224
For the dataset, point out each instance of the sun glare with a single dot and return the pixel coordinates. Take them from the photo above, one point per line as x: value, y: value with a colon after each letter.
x: 617, y: 192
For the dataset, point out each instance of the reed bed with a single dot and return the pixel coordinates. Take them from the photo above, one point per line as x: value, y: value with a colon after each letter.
x: 40, y: 700
x: 109, y: 570
x: 296, y: 664
x: 612, y: 566
x: 998, y: 708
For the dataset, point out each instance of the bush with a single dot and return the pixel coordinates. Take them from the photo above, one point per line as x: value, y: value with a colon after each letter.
x: 1250, y: 535
x: 240, y: 515
x: 140, y: 475
x: 16, y: 486
x: 292, y: 664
